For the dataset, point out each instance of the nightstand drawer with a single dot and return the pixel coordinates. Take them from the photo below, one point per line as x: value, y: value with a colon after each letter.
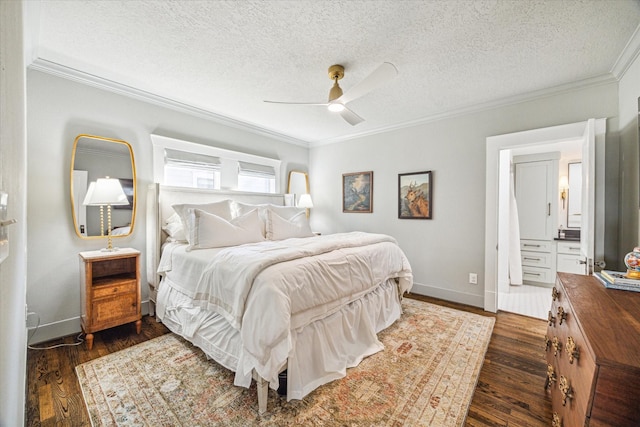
x: 117, y: 288
x: 114, y: 309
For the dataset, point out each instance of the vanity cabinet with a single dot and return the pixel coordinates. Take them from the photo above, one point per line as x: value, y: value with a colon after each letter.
x: 568, y: 257
x: 109, y: 290
x: 538, y: 261
x: 592, y: 354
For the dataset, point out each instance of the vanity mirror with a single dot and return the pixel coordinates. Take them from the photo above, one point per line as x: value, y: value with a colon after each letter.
x: 95, y: 157
x: 574, y: 205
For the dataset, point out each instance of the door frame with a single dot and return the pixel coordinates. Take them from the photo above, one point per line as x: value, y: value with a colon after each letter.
x: 495, y: 145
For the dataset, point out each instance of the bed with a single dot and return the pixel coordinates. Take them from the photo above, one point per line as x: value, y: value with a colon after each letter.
x: 242, y: 277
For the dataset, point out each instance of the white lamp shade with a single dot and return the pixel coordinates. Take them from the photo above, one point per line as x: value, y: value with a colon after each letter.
x: 106, y: 191
x: 563, y: 182
x: 305, y: 201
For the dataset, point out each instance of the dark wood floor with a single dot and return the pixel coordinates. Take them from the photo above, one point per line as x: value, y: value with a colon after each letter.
x: 510, y: 390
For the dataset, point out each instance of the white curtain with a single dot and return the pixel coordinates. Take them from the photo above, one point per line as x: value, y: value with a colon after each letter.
x: 515, y: 260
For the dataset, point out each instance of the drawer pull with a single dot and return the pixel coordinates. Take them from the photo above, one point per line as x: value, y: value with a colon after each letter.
x: 572, y: 349
x: 561, y: 314
x: 557, y: 346
x: 565, y: 389
x: 547, y: 343
x: 556, y: 421
x: 551, y: 376
x: 528, y: 245
x: 526, y: 273
x: 532, y: 259
x: 551, y: 319
x: 115, y: 290
x: 555, y: 294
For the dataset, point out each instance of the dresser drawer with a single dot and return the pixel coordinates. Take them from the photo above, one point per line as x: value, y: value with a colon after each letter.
x: 536, y: 259
x: 115, y: 288
x: 536, y: 245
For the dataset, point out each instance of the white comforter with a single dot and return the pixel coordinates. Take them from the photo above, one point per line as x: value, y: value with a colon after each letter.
x: 267, y: 289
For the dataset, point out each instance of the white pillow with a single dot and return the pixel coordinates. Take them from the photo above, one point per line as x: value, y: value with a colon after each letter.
x: 207, y: 230
x: 175, y: 229
x: 221, y: 209
x: 279, y: 228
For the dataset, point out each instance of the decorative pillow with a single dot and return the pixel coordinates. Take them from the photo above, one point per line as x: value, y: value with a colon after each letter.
x: 221, y: 209
x: 279, y: 228
x: 175, y: 229
x: 207, y: 230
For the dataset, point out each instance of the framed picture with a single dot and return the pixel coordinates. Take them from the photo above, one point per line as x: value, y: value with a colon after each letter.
x: 357, y: 192
x: 414, y: 195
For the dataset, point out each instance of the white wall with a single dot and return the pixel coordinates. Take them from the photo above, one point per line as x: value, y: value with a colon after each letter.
x: 13, y: 334
x: 59, y: 110
x: 444, y: 250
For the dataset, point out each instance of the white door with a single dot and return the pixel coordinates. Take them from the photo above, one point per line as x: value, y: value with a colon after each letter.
x: 533, y: 194
x: 587, y: 223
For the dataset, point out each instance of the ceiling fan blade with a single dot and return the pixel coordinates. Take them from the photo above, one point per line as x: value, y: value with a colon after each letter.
x: 324, y: 104
x: 351, y: 117
x: 386, y: 71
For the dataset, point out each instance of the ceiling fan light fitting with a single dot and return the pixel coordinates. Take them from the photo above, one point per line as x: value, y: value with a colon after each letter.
x: 335, y: 107
x: 335, y: 92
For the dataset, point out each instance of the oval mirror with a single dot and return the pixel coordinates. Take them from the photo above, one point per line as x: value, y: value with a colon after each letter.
x: 96, y: 157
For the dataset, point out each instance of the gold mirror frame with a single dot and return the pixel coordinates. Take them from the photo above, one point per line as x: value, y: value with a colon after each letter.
x: 293, y: 176
x: 94, y: 145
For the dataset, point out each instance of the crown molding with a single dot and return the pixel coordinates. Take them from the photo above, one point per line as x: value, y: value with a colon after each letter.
x: 78, y: 76
x: 476, y: 108
x: 627, y: 56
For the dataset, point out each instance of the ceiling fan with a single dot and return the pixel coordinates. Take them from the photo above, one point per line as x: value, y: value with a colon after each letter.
x: 337, y: 100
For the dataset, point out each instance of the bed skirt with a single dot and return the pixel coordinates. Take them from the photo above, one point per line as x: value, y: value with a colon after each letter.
x: 320, y: 352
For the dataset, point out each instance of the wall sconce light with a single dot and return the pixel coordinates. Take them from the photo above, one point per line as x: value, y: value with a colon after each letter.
x: 564, y: 186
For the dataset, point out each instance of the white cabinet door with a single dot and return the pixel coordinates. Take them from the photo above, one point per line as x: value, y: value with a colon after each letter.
x: 533, y: 195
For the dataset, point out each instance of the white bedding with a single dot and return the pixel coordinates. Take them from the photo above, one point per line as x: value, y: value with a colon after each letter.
x: 271, y: 300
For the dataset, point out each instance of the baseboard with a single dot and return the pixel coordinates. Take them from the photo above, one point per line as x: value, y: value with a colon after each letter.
x: 448, y: 295
x: 63, y: 328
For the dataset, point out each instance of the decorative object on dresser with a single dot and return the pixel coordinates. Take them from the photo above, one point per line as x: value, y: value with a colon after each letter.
x: 632, y: 261
x: 109, y: 290
x: 592, y: 348
x: 617, y: 280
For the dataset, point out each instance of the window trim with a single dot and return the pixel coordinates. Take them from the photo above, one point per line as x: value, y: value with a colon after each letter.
x: 228, y: 158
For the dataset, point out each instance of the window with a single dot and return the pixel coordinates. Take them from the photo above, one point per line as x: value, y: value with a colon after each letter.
x: 186, y: 164
x: 184, y: 169
x: 256, y: 178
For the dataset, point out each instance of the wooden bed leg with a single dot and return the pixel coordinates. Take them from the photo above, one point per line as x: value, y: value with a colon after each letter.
x: 263, y: 393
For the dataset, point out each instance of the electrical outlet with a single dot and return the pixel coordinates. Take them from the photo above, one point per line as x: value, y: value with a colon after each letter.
x: 473, y: 278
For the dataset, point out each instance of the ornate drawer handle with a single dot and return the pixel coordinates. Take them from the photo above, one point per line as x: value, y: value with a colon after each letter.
x: 572, y: 349
x: 551, y: 376
x: 551, y: 319
x: 555, y: 294
x: 556, y: 421
x: 565, y: 389
x: 561, y: 314
x: 557, y: 346
x: 547, y: 343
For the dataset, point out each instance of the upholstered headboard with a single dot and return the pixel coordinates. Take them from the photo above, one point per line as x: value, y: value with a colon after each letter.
x: 161, y: 198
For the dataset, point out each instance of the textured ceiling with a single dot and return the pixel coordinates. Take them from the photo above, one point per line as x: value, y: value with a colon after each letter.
x: 226, y: 57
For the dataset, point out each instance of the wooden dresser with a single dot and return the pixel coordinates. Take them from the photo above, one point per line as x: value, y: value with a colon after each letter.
x: 593, y: 354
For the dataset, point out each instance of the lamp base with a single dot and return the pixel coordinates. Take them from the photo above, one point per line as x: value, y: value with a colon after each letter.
x: 109, y: 249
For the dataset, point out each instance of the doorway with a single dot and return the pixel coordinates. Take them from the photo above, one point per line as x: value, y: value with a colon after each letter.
x: 496, y: 231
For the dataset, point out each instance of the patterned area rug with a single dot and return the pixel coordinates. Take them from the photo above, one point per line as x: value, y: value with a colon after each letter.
x: 424, y: 377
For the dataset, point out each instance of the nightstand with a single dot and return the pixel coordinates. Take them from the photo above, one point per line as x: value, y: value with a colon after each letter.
x: 109, y: 290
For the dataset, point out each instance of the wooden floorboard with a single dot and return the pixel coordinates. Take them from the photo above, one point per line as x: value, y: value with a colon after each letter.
x: 510, y: 389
